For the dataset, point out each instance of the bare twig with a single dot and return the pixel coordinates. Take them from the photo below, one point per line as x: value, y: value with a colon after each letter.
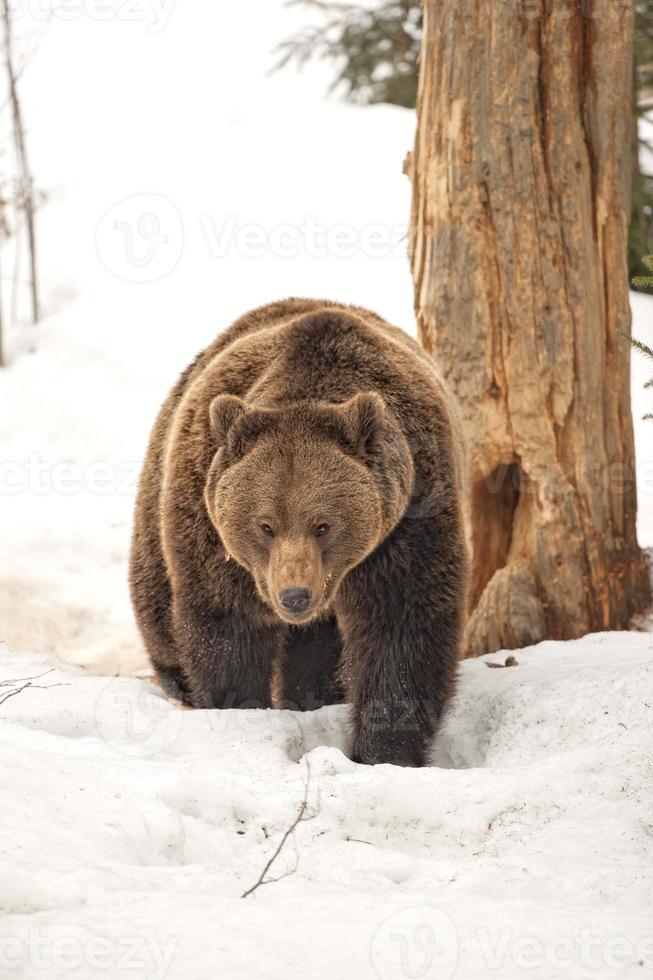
x: 32, y: 677
x: 301, y: 815
x: 25, y: 682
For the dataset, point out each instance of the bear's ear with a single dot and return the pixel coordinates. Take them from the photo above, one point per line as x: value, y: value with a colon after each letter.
x: 363, y: 417
x: 224, y: 411
x: 249, y: 427
x: 235, y: 426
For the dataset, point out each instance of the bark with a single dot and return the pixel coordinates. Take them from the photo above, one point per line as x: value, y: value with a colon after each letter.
x: 521, y: 180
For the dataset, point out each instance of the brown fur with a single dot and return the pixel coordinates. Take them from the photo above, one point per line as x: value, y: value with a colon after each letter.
x: 311, y: 445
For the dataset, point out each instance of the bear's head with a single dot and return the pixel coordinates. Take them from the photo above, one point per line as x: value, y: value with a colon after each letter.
x: 302, y: 494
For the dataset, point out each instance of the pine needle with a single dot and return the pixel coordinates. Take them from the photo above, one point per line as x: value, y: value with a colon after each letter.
x: 638, y: 345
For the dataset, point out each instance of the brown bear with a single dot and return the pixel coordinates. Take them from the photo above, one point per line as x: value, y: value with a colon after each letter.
x: 300, y: 511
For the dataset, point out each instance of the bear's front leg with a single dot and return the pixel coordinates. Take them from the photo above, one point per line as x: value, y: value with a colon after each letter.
x: 401, y: 614
x: 227, y: 658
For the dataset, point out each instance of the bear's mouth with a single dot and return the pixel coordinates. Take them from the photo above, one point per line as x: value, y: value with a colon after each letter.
x: 318, y: 605
x: 299, y: 617
x: 291, y: 617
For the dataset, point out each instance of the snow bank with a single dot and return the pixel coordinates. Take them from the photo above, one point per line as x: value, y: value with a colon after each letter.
x: 131, y: 828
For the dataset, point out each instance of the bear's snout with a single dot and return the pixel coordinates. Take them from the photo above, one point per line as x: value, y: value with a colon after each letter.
x: 295, y: 600
x: 294, y: 578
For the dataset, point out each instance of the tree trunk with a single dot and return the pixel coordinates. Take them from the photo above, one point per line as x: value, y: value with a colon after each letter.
x: 26, y: 196
x: 521, y: 178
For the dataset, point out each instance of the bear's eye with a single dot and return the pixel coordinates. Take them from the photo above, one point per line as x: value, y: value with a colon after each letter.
x: 321, y: 530
x: 267, y: 530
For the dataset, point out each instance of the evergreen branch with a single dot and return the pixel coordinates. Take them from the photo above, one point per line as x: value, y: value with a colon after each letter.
x: 639, y: 345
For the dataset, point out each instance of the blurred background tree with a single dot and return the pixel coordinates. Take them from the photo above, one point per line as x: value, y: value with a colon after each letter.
x: 375, y: 46
x: 18, y: 198
x: 641, y: 214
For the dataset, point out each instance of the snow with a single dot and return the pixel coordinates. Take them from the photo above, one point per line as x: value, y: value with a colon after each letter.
x: 529, y: 848
x: 641, y: 372
x: 186, y: 186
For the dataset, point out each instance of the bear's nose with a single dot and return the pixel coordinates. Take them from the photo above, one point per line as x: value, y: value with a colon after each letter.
x: 294, y: 600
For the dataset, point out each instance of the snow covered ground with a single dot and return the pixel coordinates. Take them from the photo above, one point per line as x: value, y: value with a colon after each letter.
x: 131, y: 829
x: 184, y: 187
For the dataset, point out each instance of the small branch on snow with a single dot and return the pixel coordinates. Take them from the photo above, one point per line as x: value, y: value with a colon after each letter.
x: 25, y: 682
x: 302, y: 815
x: 510, y: 662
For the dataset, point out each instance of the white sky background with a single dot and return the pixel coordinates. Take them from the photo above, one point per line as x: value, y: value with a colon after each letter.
x: 186, y: 109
